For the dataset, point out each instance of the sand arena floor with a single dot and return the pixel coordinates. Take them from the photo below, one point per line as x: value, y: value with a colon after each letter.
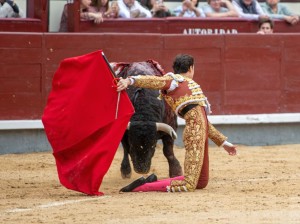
x: 260, y: 185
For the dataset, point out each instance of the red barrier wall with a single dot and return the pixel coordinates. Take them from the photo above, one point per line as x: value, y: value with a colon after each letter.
x: 175, y: 25
x: 240, y: 74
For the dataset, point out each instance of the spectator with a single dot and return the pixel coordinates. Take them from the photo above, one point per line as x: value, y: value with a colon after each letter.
x: 159, y: 9
x: 132, y: 9
x: 265, y: 26
x: 100, y: 5
x: 113, y: 10
x: 278, y: 11
x: 249, y: 9
x: 219, y: 8
x: 107, y: 11
x: 87, y: 12
x: 9, y: 9
x: 148, y: 4
x: 188, y: 8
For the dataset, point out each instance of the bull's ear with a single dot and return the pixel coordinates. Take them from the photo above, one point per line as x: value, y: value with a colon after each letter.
x: 167, y: 129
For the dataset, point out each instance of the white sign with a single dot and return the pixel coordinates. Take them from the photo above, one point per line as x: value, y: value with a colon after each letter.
x: 190, y: 31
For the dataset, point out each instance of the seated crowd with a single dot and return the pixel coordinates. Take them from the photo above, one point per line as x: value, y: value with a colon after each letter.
x: 97, y: 10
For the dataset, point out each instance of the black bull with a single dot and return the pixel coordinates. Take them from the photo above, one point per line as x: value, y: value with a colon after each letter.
x: 153, y: 120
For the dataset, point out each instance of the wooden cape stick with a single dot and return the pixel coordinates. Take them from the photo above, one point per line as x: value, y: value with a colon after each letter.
x: 115, y: 79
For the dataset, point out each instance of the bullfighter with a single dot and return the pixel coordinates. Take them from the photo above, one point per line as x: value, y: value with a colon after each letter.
x: 186, y: 98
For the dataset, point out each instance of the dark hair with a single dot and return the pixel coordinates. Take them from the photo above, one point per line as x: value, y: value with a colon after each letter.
x: 99, y: 6
x: 182, y: 63
x: 264, y: 20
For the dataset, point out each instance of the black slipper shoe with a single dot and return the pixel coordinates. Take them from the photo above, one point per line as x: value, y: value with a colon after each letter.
x: 134, y: 184
x: 151, y: 178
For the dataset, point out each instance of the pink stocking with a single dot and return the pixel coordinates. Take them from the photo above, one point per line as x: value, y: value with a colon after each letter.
x: 159, y: 185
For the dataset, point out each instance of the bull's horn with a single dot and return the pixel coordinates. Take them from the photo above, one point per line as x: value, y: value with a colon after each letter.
x: 166, y: 128
x: 128, y: 126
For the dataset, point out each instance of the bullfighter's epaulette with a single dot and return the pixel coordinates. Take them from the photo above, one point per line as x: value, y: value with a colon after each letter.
x: 176, y: 77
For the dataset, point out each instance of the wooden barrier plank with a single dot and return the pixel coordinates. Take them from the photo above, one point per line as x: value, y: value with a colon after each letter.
x: 209, y: 76
x: 13, y: 70
x: 185, y: 42
x: 292, y: 53
x: 29, y: 81
x: 252, y: 97
x: 21, y: 25
x: 291, y: 97
x: 291, y: 41
x: 253, y: 53
x: 264, y: 80
x: 291, y: 78
x: 20, y: 106
x: 139, y: 25
x: 21, y: 55
x: 250, y: 75
x: 253, y: 40
x: 23, y: 40
x: 21, y: 85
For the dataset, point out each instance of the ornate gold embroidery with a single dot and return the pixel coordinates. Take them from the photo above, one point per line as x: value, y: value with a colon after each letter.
x: 196, y: 95
x: 152, y: 82
x: 189, y: 98
x: 194, y: 137
x: 217, y: 137
x: 155, y: 82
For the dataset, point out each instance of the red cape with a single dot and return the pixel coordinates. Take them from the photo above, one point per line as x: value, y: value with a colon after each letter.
x: 80, y: 124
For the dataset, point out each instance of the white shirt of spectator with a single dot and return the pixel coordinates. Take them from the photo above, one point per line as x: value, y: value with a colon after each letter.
x: 6, y: 11
x: 188, y: 13
x: 208, y: 9
x: 249, y: 16
x: 125, y: 11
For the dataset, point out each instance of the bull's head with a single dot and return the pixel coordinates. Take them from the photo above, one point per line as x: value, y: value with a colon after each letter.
x: 142, y: 138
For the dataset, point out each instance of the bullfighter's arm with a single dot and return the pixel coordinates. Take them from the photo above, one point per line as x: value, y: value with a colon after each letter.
x: 152, y: 82
x: 217, y: 137
x: 221, y: 140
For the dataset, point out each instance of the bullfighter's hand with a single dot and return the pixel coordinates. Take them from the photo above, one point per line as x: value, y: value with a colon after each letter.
x: 123, y: 84
x: 230, y: 149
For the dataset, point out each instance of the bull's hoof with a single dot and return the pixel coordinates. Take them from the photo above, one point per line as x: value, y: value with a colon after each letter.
x: 175, y: 170
x: 125, y: 171
x: 126, y: 175
x: 134, y: 185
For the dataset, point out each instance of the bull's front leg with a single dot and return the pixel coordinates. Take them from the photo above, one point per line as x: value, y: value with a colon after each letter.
x: 125, y: 165
x: 174, y: 165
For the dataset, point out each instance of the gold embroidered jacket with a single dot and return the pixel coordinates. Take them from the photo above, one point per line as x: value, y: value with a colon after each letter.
x: 189, y: 92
